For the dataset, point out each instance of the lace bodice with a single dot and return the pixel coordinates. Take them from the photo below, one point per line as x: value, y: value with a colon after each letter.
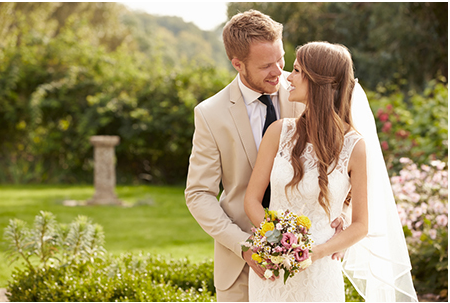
x: 305, y: 199
x: 322, y: 281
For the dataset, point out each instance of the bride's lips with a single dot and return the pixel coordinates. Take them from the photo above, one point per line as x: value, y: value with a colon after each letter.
x: 290, y: 88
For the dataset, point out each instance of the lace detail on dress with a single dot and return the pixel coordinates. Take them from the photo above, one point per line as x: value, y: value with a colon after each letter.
x: 308, y: 157
x: 323, y: 280
x: 286, y: 143
x: 350, y: 140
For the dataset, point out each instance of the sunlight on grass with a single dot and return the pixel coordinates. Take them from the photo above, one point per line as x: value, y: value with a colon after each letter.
x: 155, y: 219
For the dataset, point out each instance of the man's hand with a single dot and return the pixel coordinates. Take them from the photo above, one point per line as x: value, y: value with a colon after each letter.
x: 247, y: 255
x: 338, y: 225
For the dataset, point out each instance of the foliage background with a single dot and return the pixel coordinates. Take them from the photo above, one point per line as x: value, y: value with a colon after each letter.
x: 72, y: 70
x: 69, y: 71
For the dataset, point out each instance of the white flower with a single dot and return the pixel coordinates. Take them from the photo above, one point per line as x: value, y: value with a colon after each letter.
x: 425, y: 167
x: 433, y: 234
x: 442, y: 220
x: 438, y: 164
x: 418, y: 211
x: 415, y: 197
x: 287, y: 262
x: 246, y: 244
x: 305, y: 264
x: 416, y: 234
x: 405, y: 160
x: 268, y: 274
x: 277, y: 259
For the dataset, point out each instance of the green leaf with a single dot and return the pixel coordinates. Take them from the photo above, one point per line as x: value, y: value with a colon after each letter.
x: 286, y: 276
x: 273, y: 236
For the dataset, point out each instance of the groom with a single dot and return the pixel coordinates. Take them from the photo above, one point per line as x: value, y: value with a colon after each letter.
x: 228, y: 131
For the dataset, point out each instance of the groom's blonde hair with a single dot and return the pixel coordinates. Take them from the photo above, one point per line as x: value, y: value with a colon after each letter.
x: 247, y: 27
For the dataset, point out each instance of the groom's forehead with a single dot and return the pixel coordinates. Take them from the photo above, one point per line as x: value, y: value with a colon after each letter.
x: 264, y: 53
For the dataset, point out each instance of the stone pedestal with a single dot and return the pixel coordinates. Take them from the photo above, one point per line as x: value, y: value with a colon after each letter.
x: 104, y: 171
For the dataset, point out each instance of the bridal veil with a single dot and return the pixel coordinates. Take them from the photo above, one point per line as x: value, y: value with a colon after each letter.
x: 378, y: 266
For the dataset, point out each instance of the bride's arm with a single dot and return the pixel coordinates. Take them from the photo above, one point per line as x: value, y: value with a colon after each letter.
x: 261, y: 173
x: 359, y: 227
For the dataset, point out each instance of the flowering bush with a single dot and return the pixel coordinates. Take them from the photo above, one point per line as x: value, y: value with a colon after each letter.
x: 281, y: 242
x: 422, y: 203
x: 413, y: 125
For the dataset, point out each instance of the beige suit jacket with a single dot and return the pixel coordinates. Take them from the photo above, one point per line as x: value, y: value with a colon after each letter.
x: 224, y: 151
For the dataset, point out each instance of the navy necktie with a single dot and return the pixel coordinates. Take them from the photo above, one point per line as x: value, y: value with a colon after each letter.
x: 271, y: 116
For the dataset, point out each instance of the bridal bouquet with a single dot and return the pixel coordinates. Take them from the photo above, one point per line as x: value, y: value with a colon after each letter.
x: 282, y: 241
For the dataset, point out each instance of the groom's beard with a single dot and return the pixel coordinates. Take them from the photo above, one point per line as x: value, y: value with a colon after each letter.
x: 259, y: 86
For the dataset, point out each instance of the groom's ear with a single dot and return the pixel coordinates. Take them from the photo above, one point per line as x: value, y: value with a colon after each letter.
x: 238, y: 64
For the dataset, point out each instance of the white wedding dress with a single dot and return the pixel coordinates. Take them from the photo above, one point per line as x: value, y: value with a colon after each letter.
x: 323, y: 280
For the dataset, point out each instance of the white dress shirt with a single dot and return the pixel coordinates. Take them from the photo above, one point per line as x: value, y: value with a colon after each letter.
x: 256, y: 110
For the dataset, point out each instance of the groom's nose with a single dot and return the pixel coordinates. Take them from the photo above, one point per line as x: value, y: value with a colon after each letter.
x: 278, y: 69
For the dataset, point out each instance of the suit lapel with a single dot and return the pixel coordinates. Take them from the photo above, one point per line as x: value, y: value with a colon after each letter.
x: 240, y: 117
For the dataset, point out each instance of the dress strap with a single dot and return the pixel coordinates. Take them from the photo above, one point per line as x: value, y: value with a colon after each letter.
x: 350, y: 140
x: 286, y: 142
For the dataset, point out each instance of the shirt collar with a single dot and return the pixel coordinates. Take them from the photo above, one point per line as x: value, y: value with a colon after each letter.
x: 249, y: 94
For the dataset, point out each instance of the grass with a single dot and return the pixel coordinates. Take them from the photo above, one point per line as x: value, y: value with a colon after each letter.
x: 156, y: 219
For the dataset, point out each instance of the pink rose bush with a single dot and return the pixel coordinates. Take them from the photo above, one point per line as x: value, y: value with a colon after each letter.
x: 421, y: 195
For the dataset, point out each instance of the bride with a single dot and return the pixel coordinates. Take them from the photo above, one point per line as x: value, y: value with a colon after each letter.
x: 312, y: 163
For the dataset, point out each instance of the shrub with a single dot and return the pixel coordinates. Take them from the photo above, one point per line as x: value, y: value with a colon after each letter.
x: 69, y: 263
x: 413, y: 126
x: 123, y: 278
x: 422, y: 203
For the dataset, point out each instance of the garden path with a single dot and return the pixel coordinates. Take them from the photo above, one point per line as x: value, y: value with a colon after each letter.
x: 3, y: 295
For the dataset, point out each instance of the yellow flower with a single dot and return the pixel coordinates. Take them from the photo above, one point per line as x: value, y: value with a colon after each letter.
x: 257, y: 258
x: 272, y: 214
x: 266, y: 227
x: 304, y: 221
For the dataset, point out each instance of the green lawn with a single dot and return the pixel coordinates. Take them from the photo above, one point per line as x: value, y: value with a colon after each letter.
x: 155, y: 220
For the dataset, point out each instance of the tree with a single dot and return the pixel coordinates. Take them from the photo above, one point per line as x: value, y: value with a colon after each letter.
x: 401, y: 43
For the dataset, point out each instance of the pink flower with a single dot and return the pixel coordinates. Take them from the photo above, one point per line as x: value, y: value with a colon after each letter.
x: 442, y: 220
x: 396, y: 179
x: 402, y: 134
x: 384, y: 145
x: 418, y: 224
x: 433, y: 234
x: 425, y: 167
x: 418, y: 211
x: 389, y: 107
x: 386, y: 127
x: 278, y: 249
x: 438, y: 207
x: 409, y: 188
x: 288, y: 239
x: 301, y: 255
x: 416, y: 234
x: 415, y: 197
x: 383, y: 116
x: 380, y: 112
x: 438, y: 164
x: 405, y: 160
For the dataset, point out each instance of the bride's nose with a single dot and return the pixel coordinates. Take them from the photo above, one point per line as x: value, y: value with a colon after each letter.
x: 289, y: 78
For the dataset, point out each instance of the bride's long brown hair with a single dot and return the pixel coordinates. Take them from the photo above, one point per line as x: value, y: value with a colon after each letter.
x: 329, y: 71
